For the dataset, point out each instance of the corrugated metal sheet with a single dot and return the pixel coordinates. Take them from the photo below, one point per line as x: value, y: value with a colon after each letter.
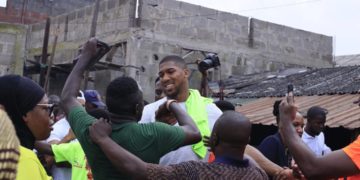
x: 342, y: 111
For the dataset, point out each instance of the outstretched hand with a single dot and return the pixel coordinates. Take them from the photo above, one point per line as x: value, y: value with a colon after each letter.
x: 288, y: 109
x: 99, y: 130
x: 91, y: 52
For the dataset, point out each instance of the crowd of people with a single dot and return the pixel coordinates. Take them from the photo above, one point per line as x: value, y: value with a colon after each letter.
x: 182, y: 135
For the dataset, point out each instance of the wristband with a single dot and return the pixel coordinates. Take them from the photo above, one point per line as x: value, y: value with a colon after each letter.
x: 168, y: 102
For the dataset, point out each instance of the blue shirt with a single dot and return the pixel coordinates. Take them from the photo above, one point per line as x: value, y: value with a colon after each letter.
x: 273, y: 148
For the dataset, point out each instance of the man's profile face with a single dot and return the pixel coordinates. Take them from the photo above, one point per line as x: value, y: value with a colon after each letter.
x: 173, y: 78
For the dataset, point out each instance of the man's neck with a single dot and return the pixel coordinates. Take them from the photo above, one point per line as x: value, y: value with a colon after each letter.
x: 116, y: 118
x: 307, y: 130
x: 182, y: 96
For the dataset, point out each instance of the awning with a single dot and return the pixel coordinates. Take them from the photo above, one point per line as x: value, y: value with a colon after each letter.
x: 341, y: 110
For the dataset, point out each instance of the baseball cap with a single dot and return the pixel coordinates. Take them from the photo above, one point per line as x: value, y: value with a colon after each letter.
x: 92, y: 96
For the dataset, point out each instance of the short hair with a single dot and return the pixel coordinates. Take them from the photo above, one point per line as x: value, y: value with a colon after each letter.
x: 176, y: 59
x: 225, y: 105
x: 122, y: 96
x: 316, y: 112
x: 54, y: 99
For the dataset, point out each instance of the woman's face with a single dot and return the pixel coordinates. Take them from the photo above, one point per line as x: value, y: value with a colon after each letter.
x: 298, y: 123
x: 38, y: 120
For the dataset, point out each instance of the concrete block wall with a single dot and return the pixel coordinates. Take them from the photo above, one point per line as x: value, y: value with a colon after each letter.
x: 12, y: 48
x: 286, y: 44
x: 73, y: 29
x: 165, y: 27
x: 192, y: 23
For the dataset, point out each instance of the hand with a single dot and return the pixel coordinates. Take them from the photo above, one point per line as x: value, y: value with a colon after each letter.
x: 207, y: 143
x: 91, y: 52
x: 99, y: 130
x: 285, y: 174
x: 297, y: 172
x: 164, y: 115
x: 69, y: 136
x: 288, y: 109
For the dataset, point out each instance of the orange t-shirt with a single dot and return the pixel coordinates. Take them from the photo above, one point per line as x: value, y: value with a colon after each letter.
x: 353, y: 151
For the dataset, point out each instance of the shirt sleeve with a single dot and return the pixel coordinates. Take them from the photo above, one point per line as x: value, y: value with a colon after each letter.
x: 63, y: 152
x: 168, y: 137
x: 213, y: 114
x: 79, y: 121
x: 185, y: 169
x: 268, y: 147
x: 154, y: 171
x: 353, y: 151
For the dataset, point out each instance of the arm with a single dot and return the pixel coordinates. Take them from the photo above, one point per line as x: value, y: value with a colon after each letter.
x: 269, y: 167
x: 122, y: 160
x: 88, y: 56
x: 192, y: 133
x: 312, y: 167
x: 44, y: 148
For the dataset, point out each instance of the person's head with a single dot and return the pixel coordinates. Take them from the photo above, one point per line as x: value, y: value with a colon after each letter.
x: 173, y: 73
x: 276, y: 110
x: 225, y: 105
x: 27, y: 106
x: 93, y: 100
x: 316, y: 118
x: 231, y: 133
x: 298, y: 123
x: 123, y: 97
x: 158, y: 90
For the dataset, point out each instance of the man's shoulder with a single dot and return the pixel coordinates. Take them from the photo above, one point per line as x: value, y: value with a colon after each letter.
x: 155, y: 105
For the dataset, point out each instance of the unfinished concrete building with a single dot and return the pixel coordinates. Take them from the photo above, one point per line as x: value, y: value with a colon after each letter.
x: 144, y: 31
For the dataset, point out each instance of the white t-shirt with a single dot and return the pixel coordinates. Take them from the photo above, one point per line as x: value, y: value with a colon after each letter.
x: 60, y: 130
x: 184, y: 153
x: 316, y: 144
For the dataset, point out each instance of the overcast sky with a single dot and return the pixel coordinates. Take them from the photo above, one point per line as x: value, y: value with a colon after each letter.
x: 337, y: 18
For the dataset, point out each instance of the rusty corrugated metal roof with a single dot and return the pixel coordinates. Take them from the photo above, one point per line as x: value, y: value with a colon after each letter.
x: 342, y: 111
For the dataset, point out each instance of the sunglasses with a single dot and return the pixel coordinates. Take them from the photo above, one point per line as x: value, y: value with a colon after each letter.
x: 50, y: 107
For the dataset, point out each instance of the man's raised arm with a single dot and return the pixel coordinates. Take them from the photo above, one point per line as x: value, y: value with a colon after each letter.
x: 334, y: 164
x: 72, y: 84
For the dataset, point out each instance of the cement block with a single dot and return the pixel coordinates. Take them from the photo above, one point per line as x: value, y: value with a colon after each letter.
x: 189, y: 32
x: 111, y: 4
x: 168, y: 28
x: 80, y: 13
x: 171, y: 4
x: 189, y: 8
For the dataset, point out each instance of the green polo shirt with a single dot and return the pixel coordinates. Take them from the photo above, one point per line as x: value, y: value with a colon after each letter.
x: 73, y: 153
x: 149, y: 142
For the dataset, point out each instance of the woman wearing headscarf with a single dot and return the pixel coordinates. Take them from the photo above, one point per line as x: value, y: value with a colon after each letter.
x: 27, y: 106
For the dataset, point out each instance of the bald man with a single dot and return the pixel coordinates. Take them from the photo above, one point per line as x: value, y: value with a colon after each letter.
x: 228, y: 140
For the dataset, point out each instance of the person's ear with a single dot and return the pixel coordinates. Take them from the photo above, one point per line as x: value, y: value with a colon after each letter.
x: 187, y: 72
x: 26, y: 118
